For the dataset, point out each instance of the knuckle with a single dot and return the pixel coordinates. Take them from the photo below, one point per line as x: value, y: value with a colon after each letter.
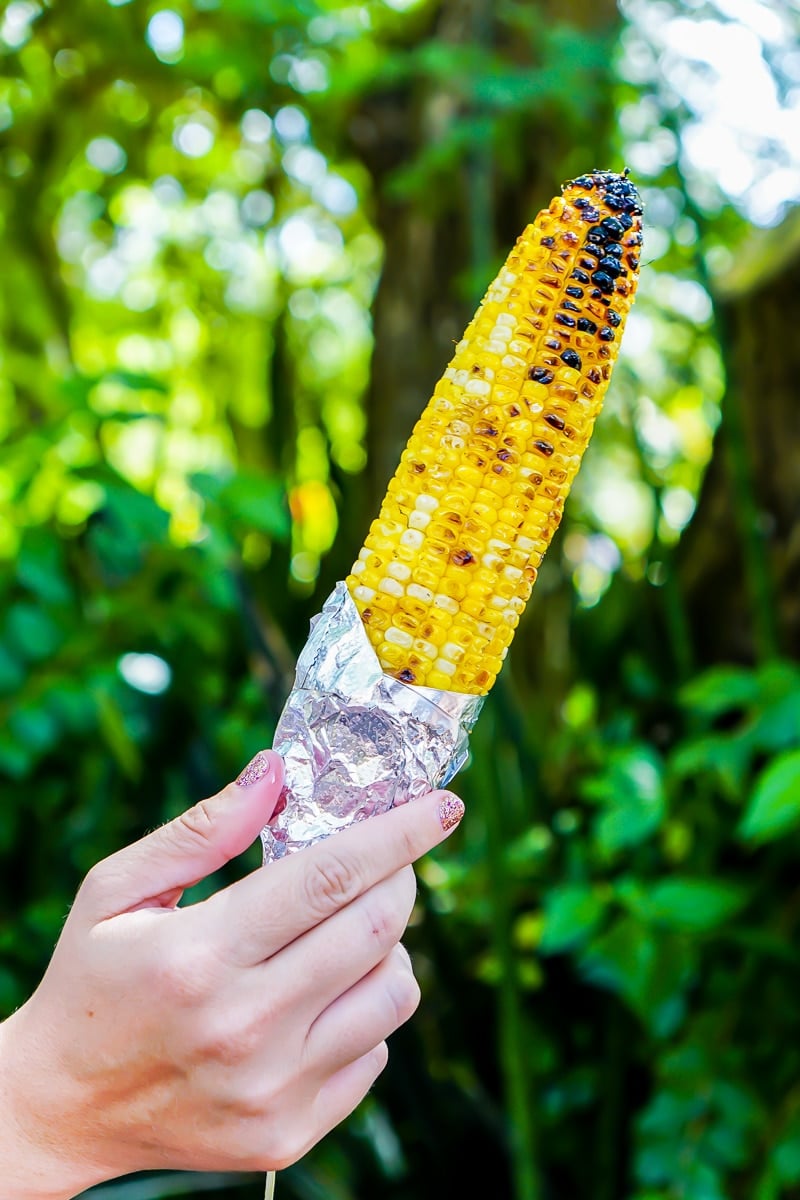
x: 330, y: 884
x: 183, y: 976
x: 384, y: 923
x: 409, y: 845
x: 95, y: 883
x: 378, y: 1059
x: 197, y: 823
x: 404, y: 994
x: 225, y: 1046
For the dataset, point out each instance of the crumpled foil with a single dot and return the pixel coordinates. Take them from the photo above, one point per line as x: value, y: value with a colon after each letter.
x: 356, y: 742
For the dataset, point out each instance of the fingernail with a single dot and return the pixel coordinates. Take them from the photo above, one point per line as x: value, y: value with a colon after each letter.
x: 451, y: 810
x: 263, y: 766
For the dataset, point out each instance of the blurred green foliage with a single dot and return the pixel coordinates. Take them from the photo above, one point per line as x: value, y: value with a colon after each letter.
x: 196, y: 204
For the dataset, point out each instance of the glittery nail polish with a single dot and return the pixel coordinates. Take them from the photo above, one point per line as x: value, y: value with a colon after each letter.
x: 451, y: 810
x: 260, y: 767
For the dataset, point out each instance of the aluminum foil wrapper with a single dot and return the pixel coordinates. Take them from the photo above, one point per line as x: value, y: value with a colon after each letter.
x: 356, y: 742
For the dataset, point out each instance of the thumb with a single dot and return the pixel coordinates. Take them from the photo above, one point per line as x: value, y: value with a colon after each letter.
x: 154, y: 871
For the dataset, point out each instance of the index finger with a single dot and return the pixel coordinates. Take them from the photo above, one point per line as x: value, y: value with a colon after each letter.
x: 269, y: 908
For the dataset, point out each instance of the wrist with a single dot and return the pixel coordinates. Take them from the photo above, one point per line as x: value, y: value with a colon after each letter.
x: 41, y: 1150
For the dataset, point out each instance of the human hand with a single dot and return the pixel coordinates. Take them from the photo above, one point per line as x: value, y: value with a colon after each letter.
x: 230, y: 1034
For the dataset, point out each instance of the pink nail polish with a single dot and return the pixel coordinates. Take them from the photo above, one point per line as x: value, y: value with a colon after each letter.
x: 260, y: 767
x: 451, y: 810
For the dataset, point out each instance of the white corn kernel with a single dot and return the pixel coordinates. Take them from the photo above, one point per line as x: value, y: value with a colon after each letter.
x: 512, y: 574
x: 447, y: 668
x: 399, y: 637
x: 478, y: 387
x: 401, y: 571
x: 525, y: 544
x: 452, y: 651
x: 359, y: 567
x: 391, y: 587
x: 447, y: 603
x: 364, y: 594
x: 418, y: 592
x: 427, y: 503
x: 427, y: 649
x: 419, y: 520
x: 412, y: 538
x: 505, y: 318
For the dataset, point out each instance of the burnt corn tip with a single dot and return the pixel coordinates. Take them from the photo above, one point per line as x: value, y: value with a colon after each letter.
x: 616, y: 191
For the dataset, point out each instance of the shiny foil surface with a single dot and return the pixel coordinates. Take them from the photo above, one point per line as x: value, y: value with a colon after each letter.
x: 355, y: 741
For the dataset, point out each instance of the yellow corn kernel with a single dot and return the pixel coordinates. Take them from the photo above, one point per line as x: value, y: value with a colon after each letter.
x: 450, y: 561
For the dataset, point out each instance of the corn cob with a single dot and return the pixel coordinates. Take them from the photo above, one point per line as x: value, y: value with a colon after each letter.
x: 449, y: 563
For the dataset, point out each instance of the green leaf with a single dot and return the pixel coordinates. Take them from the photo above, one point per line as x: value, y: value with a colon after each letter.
x: 631, y: 791
x: 258, y: 500
x: 720, y: 690
x: 694, y: 905
x: 571, y: 913
x: 774, y: 807
x: 649, y: 970
x: 32, y: 632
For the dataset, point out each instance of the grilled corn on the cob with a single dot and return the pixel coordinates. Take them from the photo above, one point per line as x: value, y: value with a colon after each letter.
x: 449, y: 563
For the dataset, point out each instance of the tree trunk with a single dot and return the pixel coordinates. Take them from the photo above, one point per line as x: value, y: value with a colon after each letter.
x: 741, y: 556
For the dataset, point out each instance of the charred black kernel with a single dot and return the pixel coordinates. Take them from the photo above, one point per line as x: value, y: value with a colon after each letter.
x: 595, y: 294
x: 633, y: 261
x: 584, y: 181
x: 581, y: 276
x: 587, y: 326
x: 588, y: 264
x: 612, y: 227
x: 590, y: 214
x: 614, y: 250
x: 462, y: 558
x: 548, y: 241
x: 613, y: 318
x: 504, y: 455
x: 554, y: 420
x: 634, y: 240
x: 606, y: 334
x: 582, y: 202
x: 605, y: 300
x: 545, y: 448
x: 564, y: 319
x: 541, y: 374
x: 574, y: 291
x: 570, y: 305
x: 406, y: 675
x: 594, y: 375
x: 572, y: 359
x: 611, y: 267
x: 513, y: 411
x: 552, y: 343
x: 596, y: 235
x: 603, y: 281
x: 626, y: 221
